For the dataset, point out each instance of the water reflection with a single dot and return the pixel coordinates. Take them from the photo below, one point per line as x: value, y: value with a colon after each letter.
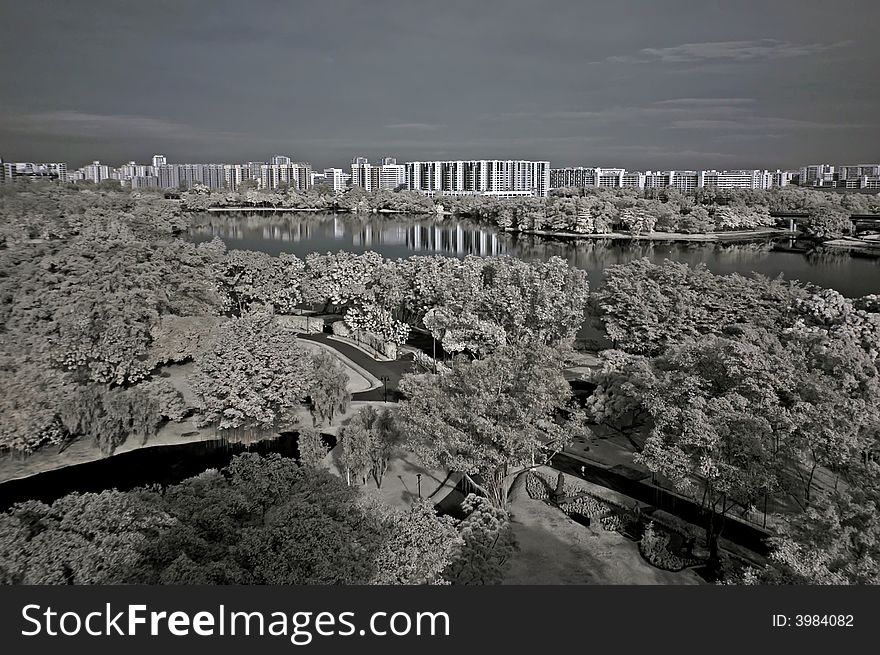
x: 403, y: 235
x: 334, y: 232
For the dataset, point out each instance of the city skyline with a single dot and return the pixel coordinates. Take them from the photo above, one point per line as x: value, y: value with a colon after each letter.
x: 635, y: 84
x: 456, y: 177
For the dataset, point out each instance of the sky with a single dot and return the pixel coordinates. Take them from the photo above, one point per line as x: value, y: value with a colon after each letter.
x: 642, y: 84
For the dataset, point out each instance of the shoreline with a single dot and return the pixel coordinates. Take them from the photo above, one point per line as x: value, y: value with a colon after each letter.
x: 733, y: 235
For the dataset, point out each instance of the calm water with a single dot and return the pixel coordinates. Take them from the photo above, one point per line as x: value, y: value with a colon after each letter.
x: 401, y: 235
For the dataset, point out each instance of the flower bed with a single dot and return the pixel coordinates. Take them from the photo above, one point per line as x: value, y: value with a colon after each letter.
x: 586, y: 505
x: 611, y: 517
x: 654, y: 548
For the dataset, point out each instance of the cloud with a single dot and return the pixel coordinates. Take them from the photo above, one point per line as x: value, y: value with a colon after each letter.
x: 757, y: 123
x: 704, y: 102
x: 71, y: 123
x: 414, y: 126
x: 727, y: 50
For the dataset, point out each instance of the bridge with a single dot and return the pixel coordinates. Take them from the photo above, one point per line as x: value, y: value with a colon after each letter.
x: 861, y: 222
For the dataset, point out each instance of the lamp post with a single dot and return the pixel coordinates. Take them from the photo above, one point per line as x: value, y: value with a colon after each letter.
x: 419, y: 478
x: 385, y: 379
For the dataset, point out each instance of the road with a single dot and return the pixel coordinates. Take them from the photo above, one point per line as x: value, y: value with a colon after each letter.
x: 392, y: 370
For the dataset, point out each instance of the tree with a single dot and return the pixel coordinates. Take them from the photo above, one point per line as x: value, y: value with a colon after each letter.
x: 386, y: 439
x: 254, y: 376
x: 356, y: 439
x: 836, y: 541
x: 329, y: 388
x: 738, y: 418
x: 109, y: 416
x: 79, y: 539
x: 714, y: 416
x: 828, y: 222
x: 312, y: 448
x: 646, y: 306
x: 266, y: 520
x: 489, y: 417
x: 488, y: 544
x: 255, y: 278
x: 638, y: 220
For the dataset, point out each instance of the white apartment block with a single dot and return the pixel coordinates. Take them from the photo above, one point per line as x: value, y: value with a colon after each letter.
x: 335, y: 177
x: 609, y: 178
x: 494, y: 177
x: 98, y: 172
x: 294, y: 175
x: 742, y: 179
x: 684, y: 181
x: 372, y: 177
x: 782, y: 178
x: 50, y: 170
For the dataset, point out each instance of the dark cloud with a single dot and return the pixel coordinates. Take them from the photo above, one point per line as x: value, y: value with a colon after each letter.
x: 633, y: 83
x: 735, y: 50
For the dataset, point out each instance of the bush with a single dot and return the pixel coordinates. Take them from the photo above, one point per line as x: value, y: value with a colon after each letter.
x: 654, y: 548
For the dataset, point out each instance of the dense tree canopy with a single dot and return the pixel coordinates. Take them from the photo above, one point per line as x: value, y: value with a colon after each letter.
x: 262, y: 520
x: 739, y: 400
x: 253, y: 377
x: 646, y: 306
x: 489, y: 417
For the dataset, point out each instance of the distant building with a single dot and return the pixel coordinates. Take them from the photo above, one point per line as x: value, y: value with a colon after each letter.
x: 609, y: 178
x: 97, y: 172
x: 144, y: 182
x: 479, y: 177
x: 387, y: 175
x: 335, y: 177
x: 782, y: 178
x: 738, y: 179
x: 46, y: 170
x: 292, y: 175
x: 846, y: 176
x: 684, y: 181
x: 235, y: 174
x: 159, y: 160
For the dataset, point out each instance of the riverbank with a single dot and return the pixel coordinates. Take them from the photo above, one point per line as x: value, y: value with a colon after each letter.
x: 172, y: 433
x: 734, y: 235
x: 864, y: 245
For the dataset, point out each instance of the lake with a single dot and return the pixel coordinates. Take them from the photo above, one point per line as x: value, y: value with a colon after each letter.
x: 402, y: 235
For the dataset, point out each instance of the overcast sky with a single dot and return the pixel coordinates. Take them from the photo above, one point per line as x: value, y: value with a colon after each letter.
x: 641, y: 84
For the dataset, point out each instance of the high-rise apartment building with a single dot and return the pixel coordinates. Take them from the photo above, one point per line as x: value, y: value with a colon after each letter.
x: 370, y: 177
x: 741, y: 179
x: 335, y: 177
x: 97, y: 172
x: 45, y: 170
x: 159, y: 160
x: 291, y: 175
x: 684, y: 181
x: 482, y: 177
x: 609, y: 178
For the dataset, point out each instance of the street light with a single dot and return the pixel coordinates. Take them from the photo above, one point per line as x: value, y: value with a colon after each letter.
x: 419, y: 478
x: 385, y: 380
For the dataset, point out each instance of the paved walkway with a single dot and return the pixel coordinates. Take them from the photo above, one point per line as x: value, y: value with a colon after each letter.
x: 392, y: 370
